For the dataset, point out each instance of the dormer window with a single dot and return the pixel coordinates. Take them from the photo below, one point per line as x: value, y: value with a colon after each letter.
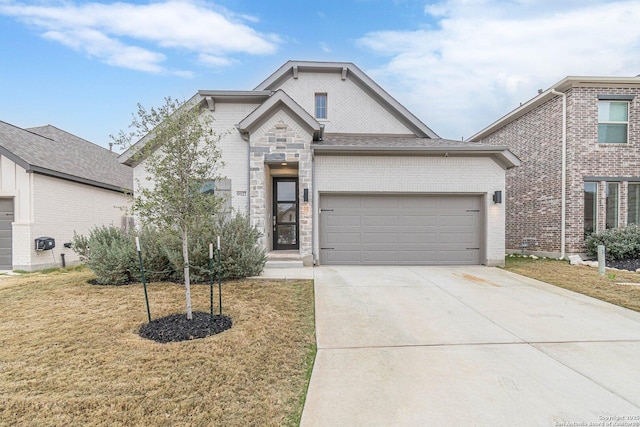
x: 321, y: 106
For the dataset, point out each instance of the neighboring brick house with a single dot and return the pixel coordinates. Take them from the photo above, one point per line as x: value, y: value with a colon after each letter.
x: 333, y: 170
x: 592, y: 126
x: 53, y: 183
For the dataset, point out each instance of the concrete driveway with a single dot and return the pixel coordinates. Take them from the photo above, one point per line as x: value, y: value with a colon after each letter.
x: 472, y: 346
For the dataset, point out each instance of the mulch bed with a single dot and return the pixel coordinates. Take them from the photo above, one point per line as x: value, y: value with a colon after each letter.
x: 176, y: 327
x: 625, y: 264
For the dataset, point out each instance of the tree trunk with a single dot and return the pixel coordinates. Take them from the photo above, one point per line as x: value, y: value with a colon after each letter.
x: 187, y: 280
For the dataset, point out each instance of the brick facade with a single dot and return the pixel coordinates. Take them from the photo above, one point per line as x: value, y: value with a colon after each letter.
x: 533, y: 191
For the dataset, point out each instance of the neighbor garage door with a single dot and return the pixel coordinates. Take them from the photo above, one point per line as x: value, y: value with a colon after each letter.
x: 6, y: 219
x: 400, y: 229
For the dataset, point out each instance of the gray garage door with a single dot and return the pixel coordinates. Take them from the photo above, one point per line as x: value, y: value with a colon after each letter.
x: 400, y: 229
x: 6, y: 218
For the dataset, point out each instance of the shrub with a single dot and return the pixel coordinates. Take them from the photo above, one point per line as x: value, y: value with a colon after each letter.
x: 157, y: 265
x: 619, y: 243
x: 109, y: 252
x: 242, y: 256
x: 199, y: 240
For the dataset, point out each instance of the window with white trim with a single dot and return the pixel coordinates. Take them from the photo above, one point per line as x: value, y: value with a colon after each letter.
x: 613, y: 122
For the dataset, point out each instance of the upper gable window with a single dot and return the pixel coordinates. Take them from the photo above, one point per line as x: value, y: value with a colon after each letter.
x: 613, y: 122
x: 321, y: 105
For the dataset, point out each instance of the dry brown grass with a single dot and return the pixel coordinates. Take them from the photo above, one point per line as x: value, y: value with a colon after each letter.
x: 582, y: 279
x: 70, y: 354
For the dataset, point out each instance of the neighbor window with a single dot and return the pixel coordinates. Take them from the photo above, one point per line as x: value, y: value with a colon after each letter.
x: 590, y: 208
x: 321, y: 105
x: 612, y: 205
x: 613, y: 121
x: 633, y: 204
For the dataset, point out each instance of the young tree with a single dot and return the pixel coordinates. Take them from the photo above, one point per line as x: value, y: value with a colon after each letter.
x: 177, y: 146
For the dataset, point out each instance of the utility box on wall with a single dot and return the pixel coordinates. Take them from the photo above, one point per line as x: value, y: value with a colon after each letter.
x: 45, y: 243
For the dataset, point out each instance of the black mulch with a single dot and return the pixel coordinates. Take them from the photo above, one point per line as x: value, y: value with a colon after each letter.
x: 176, y: 327
x: 625, y: 264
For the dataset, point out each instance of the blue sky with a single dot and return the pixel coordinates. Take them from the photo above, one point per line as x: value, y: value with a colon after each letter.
x: 457, y: 64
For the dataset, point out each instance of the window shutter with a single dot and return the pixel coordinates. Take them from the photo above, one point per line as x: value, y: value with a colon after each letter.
x: 223, y: 189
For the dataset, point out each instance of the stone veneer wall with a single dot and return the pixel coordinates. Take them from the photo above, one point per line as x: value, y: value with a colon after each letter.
x: 281, y: 139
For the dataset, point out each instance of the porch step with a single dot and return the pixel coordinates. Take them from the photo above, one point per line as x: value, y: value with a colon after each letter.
x: 277, y: 263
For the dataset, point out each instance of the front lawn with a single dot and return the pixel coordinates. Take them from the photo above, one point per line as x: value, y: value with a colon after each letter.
x: 70, y: 354
x: 615, y: 287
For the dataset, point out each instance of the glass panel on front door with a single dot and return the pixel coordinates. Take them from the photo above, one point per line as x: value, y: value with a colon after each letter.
x: 285, y: 213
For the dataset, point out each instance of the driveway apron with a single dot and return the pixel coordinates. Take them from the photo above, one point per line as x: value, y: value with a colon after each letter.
x: 448, y: 346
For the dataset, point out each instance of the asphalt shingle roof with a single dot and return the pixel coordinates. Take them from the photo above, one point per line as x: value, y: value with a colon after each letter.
x: 52, y: 151
x: 391, y: 141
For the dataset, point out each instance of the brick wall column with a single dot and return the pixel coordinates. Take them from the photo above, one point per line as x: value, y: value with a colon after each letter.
x: 602, y: 206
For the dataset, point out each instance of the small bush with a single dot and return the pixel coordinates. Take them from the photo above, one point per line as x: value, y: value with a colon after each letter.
x: 109, y: 252
x: 199, y: 240
x: 242, y: 256
x: 619, y: 243
x: 157, y: 265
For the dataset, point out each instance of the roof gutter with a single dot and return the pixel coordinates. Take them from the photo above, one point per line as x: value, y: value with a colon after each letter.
x: 65, y: 176
x: 502, y: 155
x: 563, y: 197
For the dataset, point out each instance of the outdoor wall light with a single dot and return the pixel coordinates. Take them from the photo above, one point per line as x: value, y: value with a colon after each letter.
x: 305, y: 195
x: 497, y: 197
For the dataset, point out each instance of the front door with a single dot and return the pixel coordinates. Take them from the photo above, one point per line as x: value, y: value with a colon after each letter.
x: 285, y: 213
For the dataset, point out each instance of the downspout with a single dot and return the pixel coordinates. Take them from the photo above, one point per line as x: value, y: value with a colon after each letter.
x: 249, y: 180
x: 563, y: 211
x: 316, y: 226
x: 246, y: 137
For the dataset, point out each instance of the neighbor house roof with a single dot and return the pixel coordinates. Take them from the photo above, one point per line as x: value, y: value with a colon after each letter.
x: 544, y: 96
x: 292, y: 68
x: 401, y: 145
x: 51, y: 151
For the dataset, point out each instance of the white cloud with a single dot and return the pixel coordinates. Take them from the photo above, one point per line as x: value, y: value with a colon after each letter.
x: 484, y: 57
x: 214, y: 60
x: 132, y: 35
x: 324, y: 47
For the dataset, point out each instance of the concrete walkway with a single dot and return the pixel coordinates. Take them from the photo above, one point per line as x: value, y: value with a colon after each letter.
x: 438, y: 346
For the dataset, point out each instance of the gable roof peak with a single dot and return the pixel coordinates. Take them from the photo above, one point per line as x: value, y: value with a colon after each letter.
x: 349, y: 70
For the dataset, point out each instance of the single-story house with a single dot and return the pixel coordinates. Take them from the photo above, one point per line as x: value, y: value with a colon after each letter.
x: 53, y: 183
x: 333, y: 170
